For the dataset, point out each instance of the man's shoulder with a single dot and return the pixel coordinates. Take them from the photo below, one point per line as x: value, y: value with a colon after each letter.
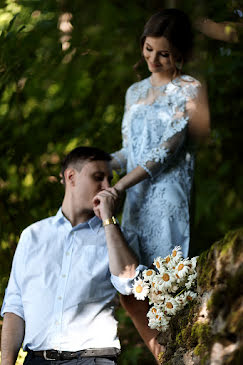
x: 39, y: 225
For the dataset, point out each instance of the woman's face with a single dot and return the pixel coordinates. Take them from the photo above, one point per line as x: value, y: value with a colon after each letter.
x: 157, y: 54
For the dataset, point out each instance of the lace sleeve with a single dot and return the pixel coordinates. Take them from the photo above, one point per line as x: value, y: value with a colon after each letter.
x: 121, y: 155
x: 168, y: 145
x: 158, y: 158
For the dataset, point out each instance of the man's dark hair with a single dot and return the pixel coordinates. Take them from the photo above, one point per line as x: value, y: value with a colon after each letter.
x: 76, y: 157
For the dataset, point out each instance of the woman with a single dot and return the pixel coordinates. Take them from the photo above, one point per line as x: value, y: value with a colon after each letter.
x: 163, y: 113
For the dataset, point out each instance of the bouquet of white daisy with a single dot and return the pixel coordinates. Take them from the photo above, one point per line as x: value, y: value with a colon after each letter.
x: 168, y: 287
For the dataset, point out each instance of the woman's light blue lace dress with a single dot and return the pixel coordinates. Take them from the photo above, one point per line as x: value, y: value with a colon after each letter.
x: 154, y: 131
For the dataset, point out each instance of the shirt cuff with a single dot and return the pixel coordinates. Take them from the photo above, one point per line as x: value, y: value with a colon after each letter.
x: 124, y: 285
x: 12, y: 309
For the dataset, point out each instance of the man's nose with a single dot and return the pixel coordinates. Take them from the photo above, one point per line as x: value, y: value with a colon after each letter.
x: 105, y: 184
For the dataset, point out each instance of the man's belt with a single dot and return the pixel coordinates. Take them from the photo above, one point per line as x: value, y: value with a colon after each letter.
x: 68, y: 355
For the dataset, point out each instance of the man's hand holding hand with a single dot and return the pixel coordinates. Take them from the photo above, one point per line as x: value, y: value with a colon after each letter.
x: 105, y: 203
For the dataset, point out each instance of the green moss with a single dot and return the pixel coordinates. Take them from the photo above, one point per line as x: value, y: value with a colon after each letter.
x: 232, y: 241
x: 179, y: 339
x: 216, y: 300
x: 201, y: 332
x: 235, y: 322
x: 205, y: 270
x: 217, y: 274
x: 200, y: 350
x: 235, y: 282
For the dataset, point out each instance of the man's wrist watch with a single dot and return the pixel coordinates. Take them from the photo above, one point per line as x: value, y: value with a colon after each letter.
x: 108, y: 221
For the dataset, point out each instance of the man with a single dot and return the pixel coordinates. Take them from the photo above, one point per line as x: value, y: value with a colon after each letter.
x: 60, y: 296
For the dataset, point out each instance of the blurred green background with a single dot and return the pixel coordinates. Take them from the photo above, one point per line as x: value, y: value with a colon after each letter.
x: 64, y: 69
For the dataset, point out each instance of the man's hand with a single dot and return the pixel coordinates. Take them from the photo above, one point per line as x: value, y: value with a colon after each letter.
x: 122, y: 261
x: 105, y: 203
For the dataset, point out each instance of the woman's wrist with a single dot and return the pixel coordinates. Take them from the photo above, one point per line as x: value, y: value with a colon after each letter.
x: 119, y: 188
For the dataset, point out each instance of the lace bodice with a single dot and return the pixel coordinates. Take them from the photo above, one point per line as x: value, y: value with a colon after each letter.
x: 154, y: 133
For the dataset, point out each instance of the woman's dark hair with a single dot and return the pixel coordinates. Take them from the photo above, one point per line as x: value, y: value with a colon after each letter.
x: 175, y: 26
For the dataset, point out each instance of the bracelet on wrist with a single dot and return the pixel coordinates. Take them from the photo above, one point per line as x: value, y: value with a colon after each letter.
x: 108, y: 221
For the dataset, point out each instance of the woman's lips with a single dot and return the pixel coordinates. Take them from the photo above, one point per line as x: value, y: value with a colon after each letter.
x: 154, y: 65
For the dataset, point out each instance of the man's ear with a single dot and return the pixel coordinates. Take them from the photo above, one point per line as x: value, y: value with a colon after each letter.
x: 69, y: 174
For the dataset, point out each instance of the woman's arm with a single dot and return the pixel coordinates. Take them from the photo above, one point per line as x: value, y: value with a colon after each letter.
x: 199, y: 116
x: 132, y: 178
x: 223, y: 31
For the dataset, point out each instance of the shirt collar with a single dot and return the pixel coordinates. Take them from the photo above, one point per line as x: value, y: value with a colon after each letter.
x: 94, y: 222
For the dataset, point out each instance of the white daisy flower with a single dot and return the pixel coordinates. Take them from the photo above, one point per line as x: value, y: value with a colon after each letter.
x: 157, y: 319
x: 182, y: 269
x: 156, y: 296
x: 193, y: 263
x: 186, y: 297
x: 163, y: 281
x: 190, y: 295
x: 170, y: 306
x: 167, y: 259
x: 140, y: 289
x: 191, y: 280
x: 159, y: 264
x: 177, y: 253
x: 172, y: 266
x: 149, y: 274
x: 174, y: 288
x: 153, y: 311
x: 160, y: 326
x: 181, y: 301
x: 153, y: 324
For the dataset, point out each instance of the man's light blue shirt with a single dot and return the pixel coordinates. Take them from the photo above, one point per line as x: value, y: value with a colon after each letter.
x: 61, y: 285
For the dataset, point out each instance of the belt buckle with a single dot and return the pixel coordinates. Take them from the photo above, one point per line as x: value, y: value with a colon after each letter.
x: 48, y: 358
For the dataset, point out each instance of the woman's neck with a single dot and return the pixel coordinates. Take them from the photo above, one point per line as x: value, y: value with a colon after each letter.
x: 161, y: 78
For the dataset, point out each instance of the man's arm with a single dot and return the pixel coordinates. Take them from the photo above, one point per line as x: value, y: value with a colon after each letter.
x: 122, y: 260
x: 11, y: 338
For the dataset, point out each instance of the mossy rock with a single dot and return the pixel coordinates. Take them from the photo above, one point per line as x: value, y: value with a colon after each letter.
x: 210, y: 330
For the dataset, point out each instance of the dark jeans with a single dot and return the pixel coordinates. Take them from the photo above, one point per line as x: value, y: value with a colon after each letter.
x: 34, y: 360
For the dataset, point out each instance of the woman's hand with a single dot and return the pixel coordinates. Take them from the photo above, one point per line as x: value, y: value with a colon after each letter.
x: 105, y: 203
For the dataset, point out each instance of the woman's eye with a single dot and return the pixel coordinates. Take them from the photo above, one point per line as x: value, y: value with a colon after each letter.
x: 149, y: 49
x: 166, y: 55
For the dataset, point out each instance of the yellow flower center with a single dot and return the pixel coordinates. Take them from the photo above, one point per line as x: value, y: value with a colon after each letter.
x: 139, y: 289
x: 154, y: 310
x: 189, y: 298
x: 167, y: 259
x: 169, y: 305
x: 174, y: 253
x: 159, y: 292
x: 178, y: 277
x: 149, y: 273
x: 157, y: 264
x: 180, y: 267
x: 166, y: 277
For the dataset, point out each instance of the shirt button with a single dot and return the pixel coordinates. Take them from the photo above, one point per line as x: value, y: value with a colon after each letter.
x: 63, y: 275
x: 59, y: 298
x: 57, y: 323
x: 67, y: 253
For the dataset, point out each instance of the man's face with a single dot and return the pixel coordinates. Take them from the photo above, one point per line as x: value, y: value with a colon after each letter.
x: 93, y: 177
